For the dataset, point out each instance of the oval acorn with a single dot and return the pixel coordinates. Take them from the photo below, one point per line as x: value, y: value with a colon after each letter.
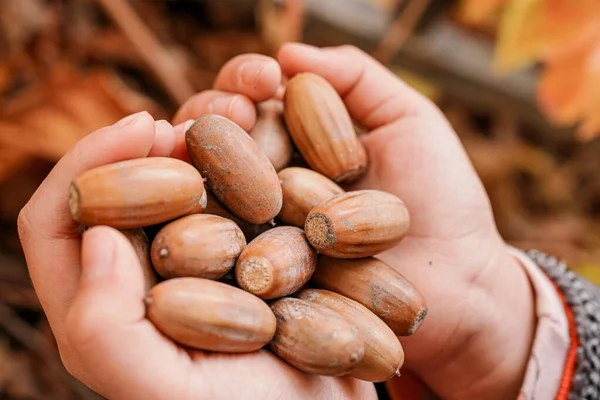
x: 200, y: 245
x: 251, y: 231
x: 357, y: 224
x: 139, y: 240
x: 377, y: 286
x: 276, y: 263
x: 271, y: 135
x: 136, y: 193
x: 315, y: 339
x: 303, y: 189
x: 238, y: 173
x: 322, y: 129
x: 210, y: 315
x: 383, y: 352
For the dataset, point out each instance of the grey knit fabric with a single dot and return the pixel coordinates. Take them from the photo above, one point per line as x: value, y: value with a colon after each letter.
x: 583, y: 298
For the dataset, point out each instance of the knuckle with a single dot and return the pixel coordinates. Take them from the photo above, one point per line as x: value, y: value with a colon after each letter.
x: 23, y: 223
x: 352, y: 50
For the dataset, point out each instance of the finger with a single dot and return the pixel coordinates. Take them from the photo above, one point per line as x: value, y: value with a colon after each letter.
x: 254, y: 75
x: 49, y: 236
x: 238, y: 108
x: 164, y: 140
x: 374, y: 96
x: 112, y: 347
x: 180, y: 150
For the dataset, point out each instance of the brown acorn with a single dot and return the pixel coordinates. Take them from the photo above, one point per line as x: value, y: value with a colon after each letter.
x: 139, y: 240
x: 314, y: 338
x: 303, y: 189
x: 377, y: 286
x: 210, y: 315
x: 276, y: 263
x: 271, y: 135
x: 136, y: 193
x: 200, y: 245
x: 383, y: 352
x: 357, y: 224
x: 214, y: 207
x: 238, y: 172
x: 322, y: 129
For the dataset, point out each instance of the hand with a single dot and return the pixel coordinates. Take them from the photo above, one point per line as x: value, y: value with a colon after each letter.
x: 473, y: 344
x: 92, y: 288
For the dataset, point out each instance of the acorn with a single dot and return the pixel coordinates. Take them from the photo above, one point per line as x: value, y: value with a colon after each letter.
x: 200, y: 245
x: 357, y: 224
x: 136, y: 193
x: 322, y: 129
x: 238, y: 172
x: 383, y: 352
x: 377, y: 286
x: 139, y: 240
x: 303, y: 189
x: 271, y: 135
x: 314, y: 338
x: 277, y: 263
x: 210, y: 315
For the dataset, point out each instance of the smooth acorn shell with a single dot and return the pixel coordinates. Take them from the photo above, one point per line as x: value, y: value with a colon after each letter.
x: 383, y: 352
x: 238, y: 172
x: 210, y: 315
x: 377, y: 286
x: 322, y: 129
x: 200, y: 245
x: 357, y: 224
x: 136, y: 193
x: 251, y: 231
x: 276, y: 263
x: 303, y: 189
x: 271, y: 135
x: 139, y: 240
x: 315, y: 339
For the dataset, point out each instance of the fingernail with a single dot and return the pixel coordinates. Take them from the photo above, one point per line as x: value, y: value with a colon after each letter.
x: 249, y: 72
x: 223, y: 105
x: 130, y: 120
x: 98, y: 253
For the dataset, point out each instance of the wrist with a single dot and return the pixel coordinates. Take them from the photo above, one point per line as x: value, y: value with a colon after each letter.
x: 508, y: 336
x: 487, y: 354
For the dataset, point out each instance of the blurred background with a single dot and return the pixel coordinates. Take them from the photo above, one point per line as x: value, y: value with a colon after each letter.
x: 519, y: 81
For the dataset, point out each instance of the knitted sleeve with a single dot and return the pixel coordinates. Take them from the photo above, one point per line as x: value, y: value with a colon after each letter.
x: 581, y: 299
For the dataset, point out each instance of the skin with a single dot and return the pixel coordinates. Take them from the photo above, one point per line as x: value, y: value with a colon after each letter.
x: 474, y: 343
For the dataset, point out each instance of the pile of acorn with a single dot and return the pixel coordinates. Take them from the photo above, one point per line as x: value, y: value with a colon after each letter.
x: 267, y: 254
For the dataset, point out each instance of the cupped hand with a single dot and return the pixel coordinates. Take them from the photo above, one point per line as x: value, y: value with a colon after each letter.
x: 92, y: 288
x: 474, y: 342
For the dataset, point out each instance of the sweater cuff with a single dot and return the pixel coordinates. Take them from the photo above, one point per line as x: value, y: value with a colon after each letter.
x: 552, y: 338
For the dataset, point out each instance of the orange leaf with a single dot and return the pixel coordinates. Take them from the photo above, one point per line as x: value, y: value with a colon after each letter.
x: 536, y: 30
x: 477, y: 11
x: 590, y: 128
x: 569, y: 89
x: 560, y: 88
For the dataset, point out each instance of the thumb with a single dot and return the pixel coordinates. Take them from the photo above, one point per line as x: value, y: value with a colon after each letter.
x: 114, y: 349
x: 373, y: 95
